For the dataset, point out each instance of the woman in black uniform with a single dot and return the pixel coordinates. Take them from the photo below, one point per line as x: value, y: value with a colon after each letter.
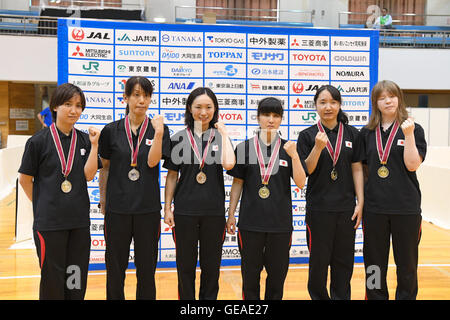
x: 395, y: 147
x: 265, y: 165
x: 56, y: 164
x: 131, y: 149
x: 199, y: 153
x: 333, y: 155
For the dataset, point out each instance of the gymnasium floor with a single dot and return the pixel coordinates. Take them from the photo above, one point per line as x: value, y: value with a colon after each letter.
x: 20, y: 274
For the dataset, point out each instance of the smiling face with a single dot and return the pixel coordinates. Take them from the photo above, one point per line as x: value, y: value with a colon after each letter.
x: 70, y: 111
x: 202, y: 109
x: 327, y: 107
x: 138, y: 101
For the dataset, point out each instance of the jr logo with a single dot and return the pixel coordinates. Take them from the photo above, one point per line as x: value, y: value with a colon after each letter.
x: 93, y: 65
x: 310, y: 116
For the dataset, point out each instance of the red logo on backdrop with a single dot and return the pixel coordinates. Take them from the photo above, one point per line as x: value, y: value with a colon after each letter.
x: 78, y: 34
x: 78, y: 52
x: 297, y: 87
x: 297, y: 104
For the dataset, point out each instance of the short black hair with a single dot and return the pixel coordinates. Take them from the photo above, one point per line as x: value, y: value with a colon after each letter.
x: 336, y: 95
x: 64, y: 93
x: 270, y: 105
x: 143, y: 82
x: 188, y: 119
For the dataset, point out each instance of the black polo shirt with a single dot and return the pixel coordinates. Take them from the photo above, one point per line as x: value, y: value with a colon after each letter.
x: 190, y: 197
x: 273, y: 214
x: 322, y: 193
x: 124, y: 196
x: 399, y: 193
x: 53, y: 209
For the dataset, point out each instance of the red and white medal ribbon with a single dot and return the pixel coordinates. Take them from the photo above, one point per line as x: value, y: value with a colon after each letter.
x: 383, y: 154
x: 135, y: 150
x: 334, y: 153
x: 194, y: 146
x: 66, y: 166
x: 265, y: 174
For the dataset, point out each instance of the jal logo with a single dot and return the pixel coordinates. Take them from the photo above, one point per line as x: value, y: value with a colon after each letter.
x: 298, y: 87
x: 99, y: 35
x: 78, y: 34
x: 91, y: 67
x: 181, y: 85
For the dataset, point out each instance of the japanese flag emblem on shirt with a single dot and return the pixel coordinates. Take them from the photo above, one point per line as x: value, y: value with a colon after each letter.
x: 348, y: 144
x: 401, y: 142
x: 283, y: 163
x: 148, y: 142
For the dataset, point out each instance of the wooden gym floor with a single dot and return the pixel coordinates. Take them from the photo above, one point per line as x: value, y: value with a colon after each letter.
x: 20, y: 274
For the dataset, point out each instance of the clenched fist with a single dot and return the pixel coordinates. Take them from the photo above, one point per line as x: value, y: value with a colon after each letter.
x: 291, y: 149
x: 94, y: 135
x: 220, y: 126
x: 321, y: 140
x: 408, y: 127
x: 158, y: 123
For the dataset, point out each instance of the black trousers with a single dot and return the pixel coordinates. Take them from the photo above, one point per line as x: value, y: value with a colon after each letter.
x: 64, y: 262
x: 405, y: 231
x: 268, y: 250
x: 120, y: 229
x: 331, y: 242
x: 188, y: 233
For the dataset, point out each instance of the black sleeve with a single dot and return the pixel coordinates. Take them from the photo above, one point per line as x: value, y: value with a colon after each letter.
x: 168, y: 161
x: 240, y: 167
x: 362, y: 138
x: 166, y: 145
x: 419, y: 137
x: 358, y: 147
x: 30, y: 159
x: 303, y: 145
x: 104, y: 146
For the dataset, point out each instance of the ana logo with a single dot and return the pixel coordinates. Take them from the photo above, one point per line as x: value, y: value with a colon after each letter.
x: 78, y: 52
x: 182, y: 85
x: 78, y: 34
x: 298, y: 87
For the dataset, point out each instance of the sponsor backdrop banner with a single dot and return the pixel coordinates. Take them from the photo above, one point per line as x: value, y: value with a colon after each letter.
x: 240, y: 64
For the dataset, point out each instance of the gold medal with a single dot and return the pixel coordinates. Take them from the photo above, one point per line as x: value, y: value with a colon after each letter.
x: 383, y: 172
x: 133, y: 175
x: 201, y: 177
x: 264, y: 192
x: 334, y: 174
x: 66, y: 186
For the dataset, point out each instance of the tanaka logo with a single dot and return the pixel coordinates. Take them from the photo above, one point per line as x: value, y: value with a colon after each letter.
x: 78, y: 34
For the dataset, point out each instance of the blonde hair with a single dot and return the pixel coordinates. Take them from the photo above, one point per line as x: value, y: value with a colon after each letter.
x: 394, y: 89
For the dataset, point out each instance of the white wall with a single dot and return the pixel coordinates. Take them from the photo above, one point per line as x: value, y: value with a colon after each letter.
x: 441, y: 7
x: 415, y: 68
x: 31, y: 59
x: 15, y: 4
